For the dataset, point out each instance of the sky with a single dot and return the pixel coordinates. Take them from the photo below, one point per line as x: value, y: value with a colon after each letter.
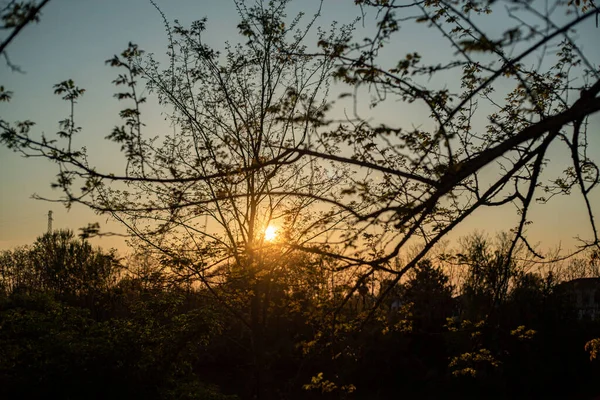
x: 75, y: 37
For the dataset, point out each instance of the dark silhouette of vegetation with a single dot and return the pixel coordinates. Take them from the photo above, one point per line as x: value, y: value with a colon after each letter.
x: 145, y: 333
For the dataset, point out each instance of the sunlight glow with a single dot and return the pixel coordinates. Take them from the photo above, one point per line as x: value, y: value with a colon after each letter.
x: 270, y: 233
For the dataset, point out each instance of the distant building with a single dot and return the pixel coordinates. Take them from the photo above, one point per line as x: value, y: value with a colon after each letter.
x: 585, y: 297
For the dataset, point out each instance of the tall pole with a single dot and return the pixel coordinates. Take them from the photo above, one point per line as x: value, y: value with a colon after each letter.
x: 50, y: 221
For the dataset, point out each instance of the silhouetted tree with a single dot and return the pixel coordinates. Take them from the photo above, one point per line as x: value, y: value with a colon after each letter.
x: 68, y: 265
x: 490, y: 270
x: 430, y: 293
x: 54, y: 349
x: 498, y: 104
x: 16, y: 270
x: 61, y: 263
x: 202, y: 199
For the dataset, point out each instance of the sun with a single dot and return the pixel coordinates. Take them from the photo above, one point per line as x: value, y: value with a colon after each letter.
x: 270, y: 233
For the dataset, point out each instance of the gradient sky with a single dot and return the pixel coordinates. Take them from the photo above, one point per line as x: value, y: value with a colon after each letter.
x: 75, y: 37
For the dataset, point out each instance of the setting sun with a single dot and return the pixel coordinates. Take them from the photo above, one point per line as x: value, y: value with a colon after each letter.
x: 270, y: 233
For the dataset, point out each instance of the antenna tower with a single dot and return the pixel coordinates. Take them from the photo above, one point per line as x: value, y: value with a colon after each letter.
x: 50, y: 219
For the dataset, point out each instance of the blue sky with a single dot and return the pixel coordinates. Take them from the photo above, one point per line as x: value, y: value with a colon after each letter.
x: 75, y: 37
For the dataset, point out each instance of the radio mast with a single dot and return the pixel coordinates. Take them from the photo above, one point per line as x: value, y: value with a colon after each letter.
x: 50, y: 219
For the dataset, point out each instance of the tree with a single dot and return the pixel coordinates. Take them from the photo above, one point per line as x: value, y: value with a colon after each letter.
x: 202, y: 197
x: 500, y: 104
x: 60, y: 263
x: 252, y: 137
x: 52, y: 348
x: 430, y: 293
x: 16, y: 271
x: 68, y: 265
x: 490, y: 271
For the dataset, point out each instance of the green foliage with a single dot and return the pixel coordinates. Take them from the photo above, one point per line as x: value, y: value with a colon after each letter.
x: 58, y: 350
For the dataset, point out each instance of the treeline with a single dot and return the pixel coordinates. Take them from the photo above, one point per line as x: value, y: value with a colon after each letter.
x: 77, y: 322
